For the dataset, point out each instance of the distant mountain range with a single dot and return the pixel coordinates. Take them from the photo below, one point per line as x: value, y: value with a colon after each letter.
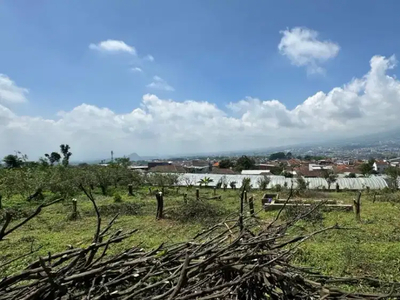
x: 364, y: 140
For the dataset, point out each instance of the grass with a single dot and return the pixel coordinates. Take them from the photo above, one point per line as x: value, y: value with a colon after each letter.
x: 370, y: 248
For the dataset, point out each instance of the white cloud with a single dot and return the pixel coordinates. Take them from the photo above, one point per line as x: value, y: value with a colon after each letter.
x: 10, y: 92
x: 365, y: 105
x: 149, y: 57
x: 113, y: 46
x: 160, y: 84
x: 303, y: 48
x: 136, y: 69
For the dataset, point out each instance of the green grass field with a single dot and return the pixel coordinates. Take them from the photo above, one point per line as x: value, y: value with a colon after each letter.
x: 370, y: 248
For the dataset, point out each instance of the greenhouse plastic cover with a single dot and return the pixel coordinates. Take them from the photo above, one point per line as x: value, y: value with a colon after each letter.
x: 373, y: 182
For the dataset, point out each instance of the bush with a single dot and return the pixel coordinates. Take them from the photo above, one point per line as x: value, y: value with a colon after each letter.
x: 292, y: 212
x: 263, y: 182
x: 128, y: 209
x: 117, y: 197
x: 277, y: 188
x: 197, y: 211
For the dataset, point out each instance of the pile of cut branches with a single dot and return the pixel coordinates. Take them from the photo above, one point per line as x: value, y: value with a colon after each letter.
x: 243, y: 259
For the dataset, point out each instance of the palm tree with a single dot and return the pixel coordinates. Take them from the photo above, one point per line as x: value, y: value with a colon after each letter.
x: 206, y: 180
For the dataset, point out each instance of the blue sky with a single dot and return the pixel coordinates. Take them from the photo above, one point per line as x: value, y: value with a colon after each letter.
x: 216, y: 53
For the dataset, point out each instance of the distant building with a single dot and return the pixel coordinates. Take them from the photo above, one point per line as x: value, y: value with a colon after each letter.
x: 223, y: 171
x: 167, y: 169
x: 153, y: 164
x: 380, y: 166
x: 315, y: 167
x: 256, y: 172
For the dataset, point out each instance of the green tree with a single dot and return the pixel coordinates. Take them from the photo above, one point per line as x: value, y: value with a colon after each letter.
x: 15, y: 161
x: 12, y: 161
x: 263, y: 182
x: 278, y: 155
x: 351, y: 175
x: 66, y: 154
x: 366, y: 168
x: 329, y: 176
x: 123, y: 161
x: 393, y: 173
x: 245, y: 163
x: 54, y: 157
x: 226, y: 164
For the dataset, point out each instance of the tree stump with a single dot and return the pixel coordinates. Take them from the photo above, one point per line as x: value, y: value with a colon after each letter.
x: 160, y: 205
x: 357, y: 207
x: 241, y: 211
x: 197, y: 194
x: 251, y: 206
x: 215, y: 190
x: 337, y: 188
x: 130, y: 190
x: 185, y: 198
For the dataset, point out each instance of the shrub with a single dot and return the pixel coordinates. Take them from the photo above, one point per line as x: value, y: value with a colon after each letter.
x: 277, y: 188
x: 117, y: 197
x: 197, y: 211
x: 128, y: 209
x: 291, y: 212
x: 263, y: 182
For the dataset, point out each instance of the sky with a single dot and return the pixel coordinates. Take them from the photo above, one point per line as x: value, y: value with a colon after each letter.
x: 162, y: 77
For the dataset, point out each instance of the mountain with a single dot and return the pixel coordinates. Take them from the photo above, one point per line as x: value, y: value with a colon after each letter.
x: 134, y: 157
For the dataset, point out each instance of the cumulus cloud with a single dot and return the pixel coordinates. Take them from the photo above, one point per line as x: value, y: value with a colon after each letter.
x: 136, y: 69
x: 303, y: 48
x: 164, y: 126
x: 160, y: 84
x: 113, y: 46
x: 149, y: 57
x: 10, y: 92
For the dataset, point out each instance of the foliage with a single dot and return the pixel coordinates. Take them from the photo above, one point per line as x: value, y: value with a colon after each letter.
x: 263, y: 182
x: 162, y: 180
x: 197, y: 211
x: 15, y: 161
x: 351, y: 175
x: 329, y: 176
x: 52, y: 158
x: 232, y: 184
x: 278, y: 155
x: 287, y: 174
x: 367, y: 168
x: 302, y: 185
x: 205, y: 181
x: 123, y: 161
x: 226, y: 164
x: 277, y: 188
x: 66, y: 154
x: 117, y: 197
x: 292, y: 212
x: 393, y: 174
x: 245, y: 163
x: 246, y: 184
x: 277, y: 170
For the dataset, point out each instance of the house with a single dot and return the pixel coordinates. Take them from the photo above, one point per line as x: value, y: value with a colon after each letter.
x: 168, y: 169
x: 153, y: 164
x: 380, y: 166
x: 315, y: 167
x: 197, y: 169
x: 223, y: 171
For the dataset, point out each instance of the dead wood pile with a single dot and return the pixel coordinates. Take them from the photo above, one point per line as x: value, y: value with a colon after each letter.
x: 227, y: 261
